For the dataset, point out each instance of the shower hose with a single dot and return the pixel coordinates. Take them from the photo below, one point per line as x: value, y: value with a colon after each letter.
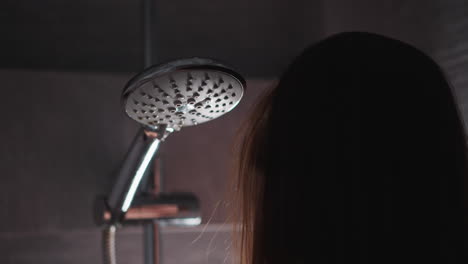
x: 108, y: 244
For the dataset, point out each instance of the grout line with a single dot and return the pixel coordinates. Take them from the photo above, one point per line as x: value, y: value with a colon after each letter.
x: 125, y: 230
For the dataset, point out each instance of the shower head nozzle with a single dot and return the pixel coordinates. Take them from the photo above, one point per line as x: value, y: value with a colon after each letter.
x: 182, y: 93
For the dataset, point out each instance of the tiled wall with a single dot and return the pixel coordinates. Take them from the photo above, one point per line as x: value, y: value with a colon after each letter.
x: 63, y: 136
x: 198, y: 245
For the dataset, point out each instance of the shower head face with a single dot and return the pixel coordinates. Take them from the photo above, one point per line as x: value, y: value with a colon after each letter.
x: 182, y: 93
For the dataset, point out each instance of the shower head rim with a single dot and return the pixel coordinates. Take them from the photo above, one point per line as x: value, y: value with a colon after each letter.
x: 176, y: 66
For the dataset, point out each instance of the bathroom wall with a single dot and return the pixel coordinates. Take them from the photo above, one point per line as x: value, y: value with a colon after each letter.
x: 63, y: 137
x: 258, y: 37
x: 65, y: 134
x: 189, y: 246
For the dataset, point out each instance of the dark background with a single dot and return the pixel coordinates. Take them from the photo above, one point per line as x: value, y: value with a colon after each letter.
x: 64, y: 63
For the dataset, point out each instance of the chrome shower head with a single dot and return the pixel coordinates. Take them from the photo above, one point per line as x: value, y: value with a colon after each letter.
x: 163, y: 99
x: 182, y: 93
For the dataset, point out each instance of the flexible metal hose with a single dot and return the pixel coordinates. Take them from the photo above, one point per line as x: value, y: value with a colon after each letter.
x: 108, y: 245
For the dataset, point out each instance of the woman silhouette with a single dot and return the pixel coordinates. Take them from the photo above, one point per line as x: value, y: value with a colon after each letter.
x: 356, y: 156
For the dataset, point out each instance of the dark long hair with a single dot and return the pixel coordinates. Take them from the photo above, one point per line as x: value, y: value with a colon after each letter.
x: 356, y: 156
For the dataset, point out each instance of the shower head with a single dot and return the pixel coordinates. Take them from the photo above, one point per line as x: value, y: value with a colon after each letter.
x: 163, y: 99
x: 182, y: 93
